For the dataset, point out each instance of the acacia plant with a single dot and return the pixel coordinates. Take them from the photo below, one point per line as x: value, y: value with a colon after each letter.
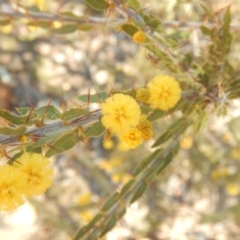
x: 189, y: 88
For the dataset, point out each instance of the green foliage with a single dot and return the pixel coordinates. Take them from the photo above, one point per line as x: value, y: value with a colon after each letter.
x: 209, y: 80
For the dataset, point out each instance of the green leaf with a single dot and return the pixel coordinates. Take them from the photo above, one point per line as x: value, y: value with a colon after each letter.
x: 134, y: 4
x: 127, y: 186
x: 52, y: 112
x: 175, y: 128
x: 70, y: 28
x: 99, y: 5
x: 85, y: 27
x: 23, y: 111
x: 64, y: 143
x: 206, y: 31
x: 145, y: 162
x: 13, y: 131
x: 145, y: 109
x: 12, y: 118
x: 38, y: 23
x: 140, y: 191
x: 33, y: 8
x: 129, y: 29
x: 151, y: 21
x: 111, y: 202
x: 156, y: 114
x: 96, y: 219
x: 110, y: 225
x: 95, y: 130
x: 73, y: 113
x: 209, y: 13
x: 227, y: 17
x: 95, y: 98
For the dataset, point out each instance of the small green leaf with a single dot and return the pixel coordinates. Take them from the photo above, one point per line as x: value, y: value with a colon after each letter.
x: 156, y: 114
x: 206, y: 31
x: 64, y: 143
x: 176, y: 127
x: 33, y: 8
x: 145, y: 109
x: 73, y: 113
x: 151, y: 21
x: 41, y: 24
x: 140, y: 191
x: 95, y: 98
x: 99, y: 5
x: 95, y: 130
x: 51, y: 114
x: 85, y: 27
x: 129, y: 29
x: 12, y: 118
x: 96, y: 219
x: 227, y: 17
x: 134, y: 4
x: 13, y: 131
x: 111, y: 202
x: 127, y: 186
x: 70, y: 28
x: 110, y: 225
x: 121, y: 213
x: 145, y: 162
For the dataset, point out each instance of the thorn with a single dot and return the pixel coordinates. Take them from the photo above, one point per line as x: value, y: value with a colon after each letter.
x: 45, y: 112
x: 111, y: 91
x: 63, y: 103
x: 98, y: 94
x: 50, y: 146
x: 76, y: 104
x: 32, y: 108
x: 88, y: 100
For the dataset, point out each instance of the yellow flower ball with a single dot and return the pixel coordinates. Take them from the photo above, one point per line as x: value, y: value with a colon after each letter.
x: 38, y: 171
x: 12, y: 186
x: 186, y: 143
x: 139, y: 37
x: 132, y: 138
x: 165, y: 92
x: 145, y: 128
x: 120, y: 113
x: 143, y: 95
x: 232, y: 189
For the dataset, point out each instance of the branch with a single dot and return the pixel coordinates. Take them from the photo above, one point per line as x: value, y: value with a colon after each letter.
x: 96, y: 21
x: 55, y: 127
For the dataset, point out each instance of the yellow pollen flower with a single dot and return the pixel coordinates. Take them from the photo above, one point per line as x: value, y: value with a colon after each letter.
x: 186, y: 143
x: 120, y: 113
x: 132, y: 138
x: 12, y: 185
x: 143, y: 95
x: 38, y: 171
x: 145, y: 128
x: 139, y: 37
x: 165, y: 92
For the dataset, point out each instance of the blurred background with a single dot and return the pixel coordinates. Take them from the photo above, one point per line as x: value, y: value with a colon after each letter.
x: 195, y: 198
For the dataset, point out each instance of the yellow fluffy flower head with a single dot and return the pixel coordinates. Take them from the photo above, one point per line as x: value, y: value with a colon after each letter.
x: 143, y: 95
x: 120, y: 113
x: 132, y: 138
x: 12, y: 185
x: 139, y: 37
x: 145, y: 128
x: 165, y: 92
x: 38, y: 171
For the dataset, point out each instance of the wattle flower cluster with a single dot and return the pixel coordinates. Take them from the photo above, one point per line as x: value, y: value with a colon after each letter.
x: 122, y: 114
x: 31, y: 174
